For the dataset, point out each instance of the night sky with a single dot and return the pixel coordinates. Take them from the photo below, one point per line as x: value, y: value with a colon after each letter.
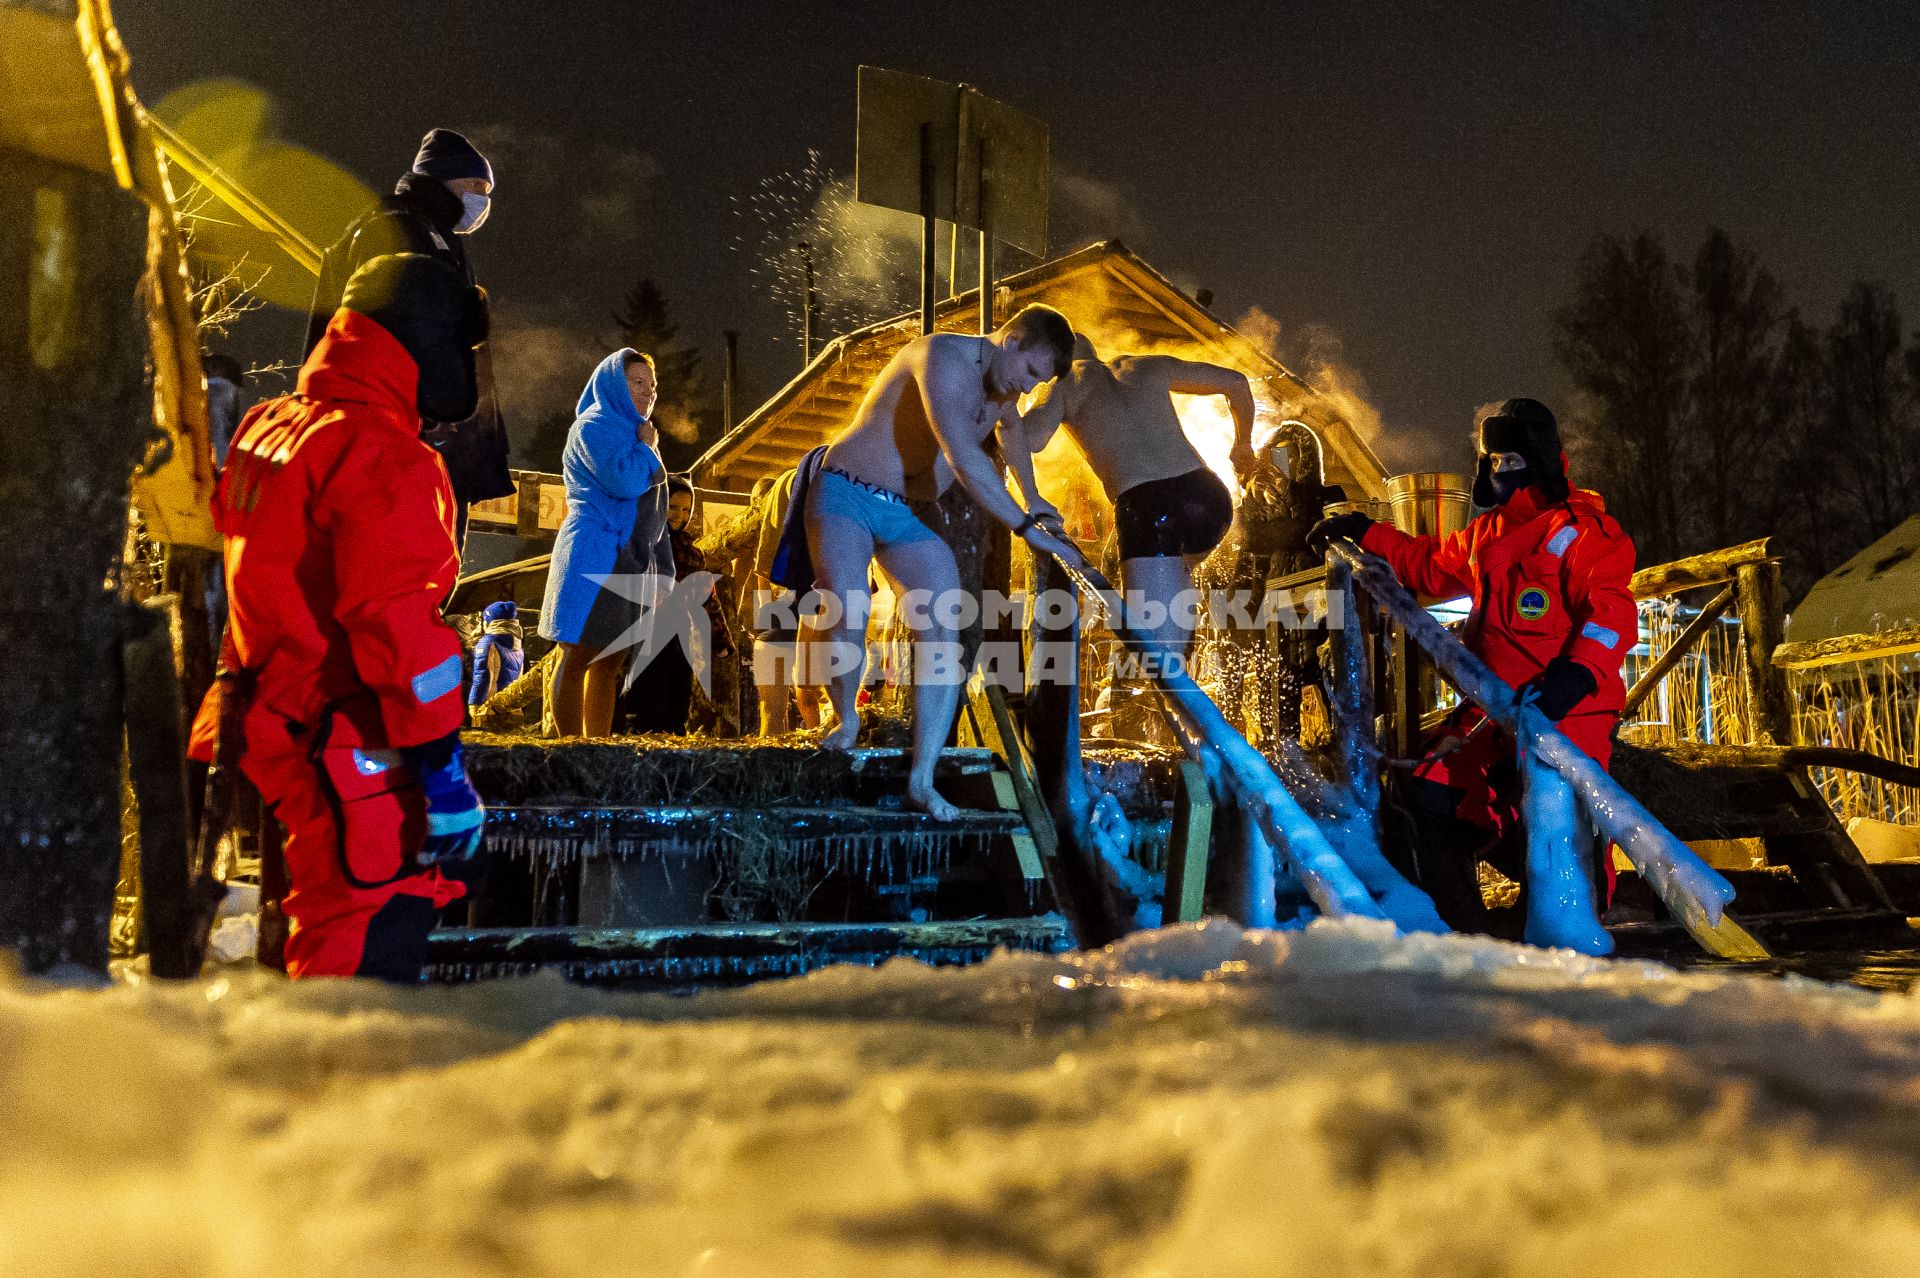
x: 1417, y: 179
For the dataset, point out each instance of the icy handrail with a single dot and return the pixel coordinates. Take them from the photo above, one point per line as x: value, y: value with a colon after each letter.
x: 1692, y: 889
x: 1231, y: 760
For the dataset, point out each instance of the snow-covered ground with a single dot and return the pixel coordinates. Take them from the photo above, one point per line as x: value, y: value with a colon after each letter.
x: 1198, y: 1101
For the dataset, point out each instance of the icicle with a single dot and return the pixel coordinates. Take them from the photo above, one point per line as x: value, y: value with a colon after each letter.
x: 1560, y: 911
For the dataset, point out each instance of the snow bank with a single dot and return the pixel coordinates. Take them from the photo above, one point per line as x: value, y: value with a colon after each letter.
x: 1199, y: 1100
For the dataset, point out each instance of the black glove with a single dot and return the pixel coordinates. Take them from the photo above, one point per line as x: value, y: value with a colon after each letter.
x: 1352, y: 526
x: 1564, y: 684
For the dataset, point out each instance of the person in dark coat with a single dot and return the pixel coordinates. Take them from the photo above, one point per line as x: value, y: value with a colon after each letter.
x: 659, y: 694
x: 445, y: 197
x: 498, y: 658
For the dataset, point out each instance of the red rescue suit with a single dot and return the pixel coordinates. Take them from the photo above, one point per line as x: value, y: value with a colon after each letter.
x: 1546, y: 581
x: 339, y: 549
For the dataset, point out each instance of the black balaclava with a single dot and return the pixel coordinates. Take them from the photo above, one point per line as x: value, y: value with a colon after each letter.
x: 432, y: 313
x: 1526, y: 427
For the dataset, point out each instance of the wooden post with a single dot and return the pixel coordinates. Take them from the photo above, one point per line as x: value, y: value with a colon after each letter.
x: 1189, y: 847
x: 1078, y: 880
x: 526, y: 505
x: 190, y: 575
x: 73, y: 348
x: 178, y: 895
x: 1763, y: 628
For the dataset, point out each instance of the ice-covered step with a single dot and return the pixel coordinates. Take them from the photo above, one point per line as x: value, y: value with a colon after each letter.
x: 688, y: 958
x: 561, y: 832
x: 513, y: 771
x: 686, y: 865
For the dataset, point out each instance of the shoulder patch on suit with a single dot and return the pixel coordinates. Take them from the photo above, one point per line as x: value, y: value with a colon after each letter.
x: 1561, y: 540
x: 431, y: 685
x: 1600, y: 635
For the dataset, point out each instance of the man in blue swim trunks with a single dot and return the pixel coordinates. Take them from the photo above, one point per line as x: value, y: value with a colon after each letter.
x: 924, y: 424
x: 1169, y: 508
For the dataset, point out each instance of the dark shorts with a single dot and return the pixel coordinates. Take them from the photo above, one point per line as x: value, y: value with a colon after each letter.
x: 1185, y: 515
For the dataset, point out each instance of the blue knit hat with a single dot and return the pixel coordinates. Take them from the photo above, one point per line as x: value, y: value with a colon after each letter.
x: 447, y: 157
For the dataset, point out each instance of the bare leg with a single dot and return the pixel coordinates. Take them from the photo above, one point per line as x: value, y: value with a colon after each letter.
x: 1159, y: 581
x: 773, y: 709
x: 928, y: 566
x: 569, y: 684
x: 841, y: 550
x: 808, y: 698
x: 601, y: 693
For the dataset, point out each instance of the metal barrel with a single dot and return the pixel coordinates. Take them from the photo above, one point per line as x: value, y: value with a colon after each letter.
x: 1377, y: 510
x: 1431, y: 503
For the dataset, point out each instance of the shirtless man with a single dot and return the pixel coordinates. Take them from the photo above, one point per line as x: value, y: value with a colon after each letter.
x: 1169, y: 508
x: 923, y: 424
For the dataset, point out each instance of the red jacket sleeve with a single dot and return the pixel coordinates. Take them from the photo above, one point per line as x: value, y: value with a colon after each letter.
x: 389, y: 510
x: 1437, y: 566
x: 1600, y: 599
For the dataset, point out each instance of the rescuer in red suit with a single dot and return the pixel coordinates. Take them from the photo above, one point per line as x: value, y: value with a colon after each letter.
x: 1548, y: 571
x: 339, y: 548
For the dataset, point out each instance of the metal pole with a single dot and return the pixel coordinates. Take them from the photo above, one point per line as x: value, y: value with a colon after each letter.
x: 806, y: 303
x: 730, y: 377
x: 926, y: 229
x: 986, y: 249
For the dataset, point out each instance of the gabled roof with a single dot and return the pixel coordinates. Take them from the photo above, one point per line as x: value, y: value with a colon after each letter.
x: 1878, y: 589
x: 1104, y: 288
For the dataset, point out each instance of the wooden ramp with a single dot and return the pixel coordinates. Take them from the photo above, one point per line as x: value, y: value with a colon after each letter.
x: 1727, y: 793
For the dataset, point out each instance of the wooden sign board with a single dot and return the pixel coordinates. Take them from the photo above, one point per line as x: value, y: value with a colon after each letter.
x: 537, y: 505
x: 1015, y: 147
x: 886, y: 165
x: 962, y: 123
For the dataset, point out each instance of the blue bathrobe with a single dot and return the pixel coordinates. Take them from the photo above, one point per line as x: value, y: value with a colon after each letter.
x: 607, y: 471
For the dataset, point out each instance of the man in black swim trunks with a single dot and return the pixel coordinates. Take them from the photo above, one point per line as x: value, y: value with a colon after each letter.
x: 1170, y: 509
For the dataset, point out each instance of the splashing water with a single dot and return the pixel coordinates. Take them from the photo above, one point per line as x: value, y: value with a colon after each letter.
x: 866, y: 260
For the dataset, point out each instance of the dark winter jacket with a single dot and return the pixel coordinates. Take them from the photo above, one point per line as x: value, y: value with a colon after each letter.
x: 688, y: 559
x: 419, y: 217
x: 498, y: 658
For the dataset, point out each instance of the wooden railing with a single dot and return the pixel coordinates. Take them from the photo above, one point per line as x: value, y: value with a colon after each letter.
x: 1843, y: 649
x: 1751, y: 575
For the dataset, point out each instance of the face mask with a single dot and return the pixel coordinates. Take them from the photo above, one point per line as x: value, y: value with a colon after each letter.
x: 1508, y: 482
x: 476, y: 209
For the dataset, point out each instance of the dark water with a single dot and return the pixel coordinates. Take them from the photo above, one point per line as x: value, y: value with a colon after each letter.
x: 1888, y: 971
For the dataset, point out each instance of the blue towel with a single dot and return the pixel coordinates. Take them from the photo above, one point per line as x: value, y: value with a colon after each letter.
x: 793, y: 561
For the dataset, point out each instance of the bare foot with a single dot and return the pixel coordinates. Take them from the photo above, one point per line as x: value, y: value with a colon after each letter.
x: 843, y: 736
x: 928, y: 800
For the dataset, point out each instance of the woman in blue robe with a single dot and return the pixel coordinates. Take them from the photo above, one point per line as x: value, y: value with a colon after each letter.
x: 612, y: 469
